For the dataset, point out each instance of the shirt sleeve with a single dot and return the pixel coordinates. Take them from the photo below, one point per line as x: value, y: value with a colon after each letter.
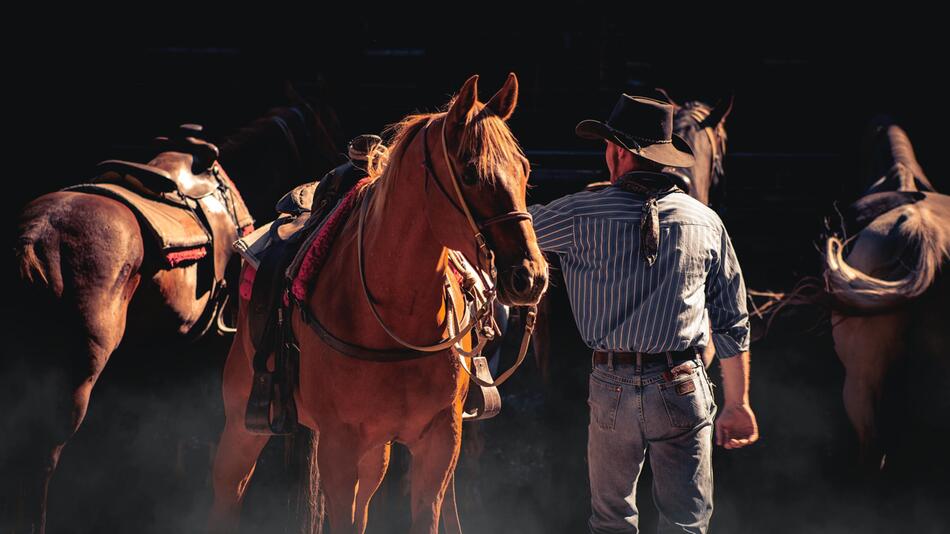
x: 553, y: 227
x: 726, y: 302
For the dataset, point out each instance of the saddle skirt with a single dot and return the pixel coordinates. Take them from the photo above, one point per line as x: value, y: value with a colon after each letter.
x: 182, y: 198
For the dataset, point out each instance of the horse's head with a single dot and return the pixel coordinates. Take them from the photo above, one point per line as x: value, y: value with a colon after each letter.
x: 288, y: 146
x: 475, y: 156
x: 704, y: 127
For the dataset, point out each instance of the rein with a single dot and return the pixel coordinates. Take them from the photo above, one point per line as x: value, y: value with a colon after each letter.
x: 482, y: 316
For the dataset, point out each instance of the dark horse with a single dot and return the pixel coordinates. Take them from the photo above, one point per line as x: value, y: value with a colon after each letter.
x: 92, y: 278
x: 704, y: 127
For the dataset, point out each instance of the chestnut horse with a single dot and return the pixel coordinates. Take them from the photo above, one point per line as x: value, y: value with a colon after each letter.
x: 92, y: 279
x: 414, y: 215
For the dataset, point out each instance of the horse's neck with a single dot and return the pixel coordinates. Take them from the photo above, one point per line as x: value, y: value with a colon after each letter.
x: 897, y: 167
x: 405, y: 263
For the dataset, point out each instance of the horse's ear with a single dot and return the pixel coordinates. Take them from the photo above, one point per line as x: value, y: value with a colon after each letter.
x: 719, y: 113
x: 505, y: 100
x: 666, y: 96
x: 463, y: 103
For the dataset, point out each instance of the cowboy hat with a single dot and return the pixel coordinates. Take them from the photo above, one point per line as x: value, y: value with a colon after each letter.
x: 643, y: 126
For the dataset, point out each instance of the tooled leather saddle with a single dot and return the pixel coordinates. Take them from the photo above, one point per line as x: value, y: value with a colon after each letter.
x: 185, y: 201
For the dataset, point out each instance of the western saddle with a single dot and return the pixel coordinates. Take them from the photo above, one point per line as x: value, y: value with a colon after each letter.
x: 275, y: 251
x: 185, y: 164
x: 188, y: 204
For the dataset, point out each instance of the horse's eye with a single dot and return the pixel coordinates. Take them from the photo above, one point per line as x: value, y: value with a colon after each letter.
x: 470, y: 174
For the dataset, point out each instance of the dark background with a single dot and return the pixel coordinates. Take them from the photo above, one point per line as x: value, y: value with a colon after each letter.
x: 804, y: 95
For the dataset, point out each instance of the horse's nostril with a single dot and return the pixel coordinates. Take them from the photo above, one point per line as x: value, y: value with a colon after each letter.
x: 521, y: 280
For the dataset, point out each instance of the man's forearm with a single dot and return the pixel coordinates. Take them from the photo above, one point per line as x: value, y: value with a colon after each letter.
x: 735, y: 379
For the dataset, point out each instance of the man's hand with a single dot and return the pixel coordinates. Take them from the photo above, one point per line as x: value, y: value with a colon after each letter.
x: 736, y: 427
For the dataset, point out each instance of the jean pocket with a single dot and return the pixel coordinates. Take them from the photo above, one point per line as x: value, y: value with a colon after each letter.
x: 686, y: 400
x: 604, y: 401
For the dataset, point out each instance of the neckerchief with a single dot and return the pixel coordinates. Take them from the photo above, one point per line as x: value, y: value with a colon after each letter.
x: 653, y: 185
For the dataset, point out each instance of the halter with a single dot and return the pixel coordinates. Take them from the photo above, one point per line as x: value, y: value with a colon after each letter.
x: 481, y: 316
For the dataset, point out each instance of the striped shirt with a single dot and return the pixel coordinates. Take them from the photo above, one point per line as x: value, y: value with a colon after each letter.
x: 619, y: 302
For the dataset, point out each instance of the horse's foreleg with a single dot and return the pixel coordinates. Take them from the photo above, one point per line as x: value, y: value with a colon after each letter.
x: 861, y: 400
x: 434, y: 456
x: 238, y: 449
x: 867, y: 346
x: 338, y: 457
x: 372, y: 469
x: 234, y: 464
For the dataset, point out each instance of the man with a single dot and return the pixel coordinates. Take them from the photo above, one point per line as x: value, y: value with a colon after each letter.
x: 642, y: 261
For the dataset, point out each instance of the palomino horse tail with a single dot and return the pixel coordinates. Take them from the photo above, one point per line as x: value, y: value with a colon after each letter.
x: 853, y: 290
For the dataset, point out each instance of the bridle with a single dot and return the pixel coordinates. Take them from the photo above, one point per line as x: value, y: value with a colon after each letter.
x: 485, y: 257
x: 480, y: 316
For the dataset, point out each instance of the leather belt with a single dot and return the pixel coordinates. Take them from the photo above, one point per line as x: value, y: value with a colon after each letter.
x: 630, y: 358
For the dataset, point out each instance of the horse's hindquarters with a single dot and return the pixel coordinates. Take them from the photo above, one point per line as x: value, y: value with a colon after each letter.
x: 79, y: 260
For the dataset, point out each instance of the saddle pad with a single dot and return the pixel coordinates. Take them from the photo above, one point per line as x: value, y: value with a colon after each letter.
x: 254, y: 246
x: 172, y: 226
x: 313, y: 254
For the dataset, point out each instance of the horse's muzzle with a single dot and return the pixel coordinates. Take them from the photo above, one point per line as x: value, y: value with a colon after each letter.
x: 523, y: 285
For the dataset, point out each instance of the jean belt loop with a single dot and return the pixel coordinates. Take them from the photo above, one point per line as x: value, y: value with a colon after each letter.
x: 669, y: 359
x: 610, y: 360
x: 639, y: 370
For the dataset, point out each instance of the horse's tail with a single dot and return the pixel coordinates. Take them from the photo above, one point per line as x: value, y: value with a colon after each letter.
x: 31, y: 269
x: 309, y: 506
x: 850, y: 289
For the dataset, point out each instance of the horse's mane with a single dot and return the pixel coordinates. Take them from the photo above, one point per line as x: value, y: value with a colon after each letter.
x: 690, y: 116
x: 487, y: 140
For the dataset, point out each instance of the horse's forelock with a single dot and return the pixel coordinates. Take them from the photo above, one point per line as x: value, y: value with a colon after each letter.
x: 486, y: 138
x: 490, y: 143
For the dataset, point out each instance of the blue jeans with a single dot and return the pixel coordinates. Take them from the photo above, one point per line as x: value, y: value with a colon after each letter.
x: 632, y: 414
